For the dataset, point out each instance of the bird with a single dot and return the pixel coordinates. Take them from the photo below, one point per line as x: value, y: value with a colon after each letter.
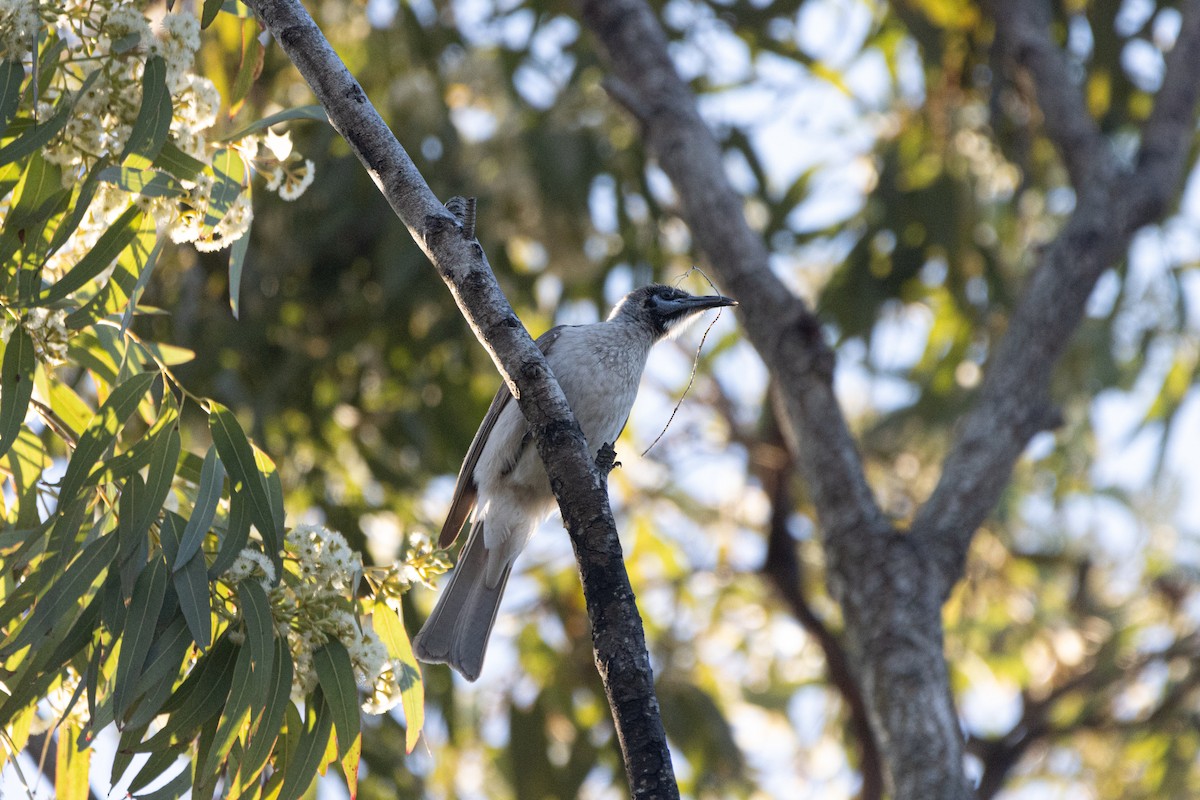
x: 502, y: 484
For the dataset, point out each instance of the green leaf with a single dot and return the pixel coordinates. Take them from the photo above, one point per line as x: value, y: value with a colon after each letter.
x: 237, y: 534
x: 71, y: 767
x: 140, y: 286
x: 198, y: 699
x: 302, y: 766
x: 78, y: 207
x: 138, y: 454
x: 144, y: 608
x: 25, y: 463
x: 178, y: 163
x: 229, y: 174
x: 158, y: 763
x: 146, y: 500
x: 390, y: 627
x: 237, y: 262
x: 44, y: 664
x: 173, y: 789
x: 164, y: 456
x: 35, y: 199
x: 211, y: 9
x: 208, y: 495
x: 238, y: 457
x: 260, y: 629
x: 302, y: 112
x: 335, y: 674
x: 110, y: 245
x: 251, y: 64
x: 102, y: 430
x: 37, y: 135
x: 236, y: 712
x: 191, y: 582
x: 145, y: 182
x: 16, y: 385
x: 154, y: 117
x: 162, y: 668
x: 63, y: 596
x: 12, y: 75
x: 267, y: 724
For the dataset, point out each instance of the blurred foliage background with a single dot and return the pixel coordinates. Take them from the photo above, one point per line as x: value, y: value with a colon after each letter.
x: 903, y: 186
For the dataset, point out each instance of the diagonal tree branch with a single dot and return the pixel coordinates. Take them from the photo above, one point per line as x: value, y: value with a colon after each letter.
x: 581, y: 490
x: 781, y: 327
x: 1111, y: 205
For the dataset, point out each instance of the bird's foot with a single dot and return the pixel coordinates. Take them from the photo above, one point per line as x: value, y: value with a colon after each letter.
x: 606, y: 459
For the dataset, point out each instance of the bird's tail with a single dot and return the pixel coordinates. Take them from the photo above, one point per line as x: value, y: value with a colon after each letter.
x: 457, y: 631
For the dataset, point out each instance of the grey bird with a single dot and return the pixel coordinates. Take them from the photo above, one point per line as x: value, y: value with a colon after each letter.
x: 599, y: 367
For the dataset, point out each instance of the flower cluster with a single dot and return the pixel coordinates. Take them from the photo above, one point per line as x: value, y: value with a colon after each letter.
x: 315, y: 602
x: 100, y: 78
x: 250, y: 563
x: 48, y: 329
x: 18, y: 22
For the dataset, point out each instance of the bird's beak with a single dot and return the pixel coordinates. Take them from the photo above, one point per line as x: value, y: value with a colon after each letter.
x: 692, y: 305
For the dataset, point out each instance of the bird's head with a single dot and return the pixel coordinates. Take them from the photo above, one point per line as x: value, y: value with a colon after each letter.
x: 663, y: 310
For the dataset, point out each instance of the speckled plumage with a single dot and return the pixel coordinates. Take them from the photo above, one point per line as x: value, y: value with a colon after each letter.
x: 599, y: 367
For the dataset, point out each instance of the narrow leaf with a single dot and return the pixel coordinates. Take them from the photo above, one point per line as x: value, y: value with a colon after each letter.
x: 237, y: 262
x: 237, y: 534
x: 390, y: 627
x: 238, y: 457
x: 199, y: 698
x: 16, y: 385
x: 102, y: 429
x: 211, y: 9
x: 65, y: 593
x: 349, y: 763
x: 104, y: 252
x: 36, y: 136
x: 143, y: 612
x: 310, y: 752
x: 173, y: 789
x: 71, y: 767
x: 229, y: 174
x: 178, y: 163
x: 260, y: 630
x: 236, y: 712
x: 164, y: 456
x: 335, y: 674
x: 208, y: 495
x: 154, y: 117
x: 146, y: 182
x: 302, y: 112
x: 268, y: 722
x: 12, y: 75
x: 157, y: 765
x: 191, y: 582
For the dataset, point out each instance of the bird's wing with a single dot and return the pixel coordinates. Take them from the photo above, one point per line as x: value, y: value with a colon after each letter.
x: 465, y: 489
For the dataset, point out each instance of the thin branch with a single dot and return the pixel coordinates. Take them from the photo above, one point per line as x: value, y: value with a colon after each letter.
x: 617, y: 634
x: 1111, y: 206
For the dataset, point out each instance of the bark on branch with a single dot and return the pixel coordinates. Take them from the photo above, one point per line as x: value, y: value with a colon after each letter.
x: 1112, y: 203
x: 581, y: 490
